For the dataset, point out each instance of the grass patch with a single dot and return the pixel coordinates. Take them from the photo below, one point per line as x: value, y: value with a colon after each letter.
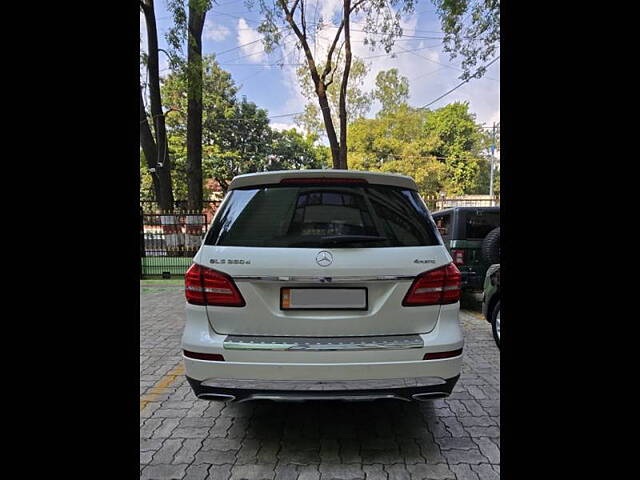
x: 161, y: 282
x: 176, y: 266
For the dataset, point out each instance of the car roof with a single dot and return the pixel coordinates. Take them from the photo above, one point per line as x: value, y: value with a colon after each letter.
x: 269, y: 178
x: 466, y: 209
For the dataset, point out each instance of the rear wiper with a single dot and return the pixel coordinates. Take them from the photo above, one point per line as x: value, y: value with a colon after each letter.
x: 341, y: 239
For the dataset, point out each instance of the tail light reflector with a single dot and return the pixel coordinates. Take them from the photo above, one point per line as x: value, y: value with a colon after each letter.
x: 435, y: 287
x: 205, y: 286
x: 215, y: 357
x: 438, y: 355
x: 458, y: 256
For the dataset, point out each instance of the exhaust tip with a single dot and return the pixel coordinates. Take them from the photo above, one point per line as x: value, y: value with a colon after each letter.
x: 425, y: 397
x: 220, y: 397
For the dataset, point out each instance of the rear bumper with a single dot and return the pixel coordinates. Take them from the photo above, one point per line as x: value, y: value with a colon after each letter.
x: 407, y: 389
x: 288, y: 369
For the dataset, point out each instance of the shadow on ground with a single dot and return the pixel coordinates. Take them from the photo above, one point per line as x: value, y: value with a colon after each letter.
x: 380, y: 431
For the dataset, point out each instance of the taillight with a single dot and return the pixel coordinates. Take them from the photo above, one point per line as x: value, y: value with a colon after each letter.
x: 435, y: 287
x: 205, y: 286
x: 458, y: 256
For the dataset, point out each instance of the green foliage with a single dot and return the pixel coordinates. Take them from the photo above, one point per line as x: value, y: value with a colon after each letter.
x: 472, y: 30
x: 482, y: 180
x: 176, y: 36
x: 358, y: 101
x: 381, y: 26
x: 442, y: 150
x: 293, y: 150
x: 236, y: 136
x: 391, y: 90
x: 310, y: 120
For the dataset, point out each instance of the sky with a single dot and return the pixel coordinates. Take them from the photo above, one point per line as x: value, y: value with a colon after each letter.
x: 431, y: 73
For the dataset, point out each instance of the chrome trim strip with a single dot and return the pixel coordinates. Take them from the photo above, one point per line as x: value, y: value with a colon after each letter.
x: 299, y: 397
x: 216, y: 396
x: 302, y: 279
x: 423, y: 397
x: 310, y: 386
x: 387, y: 342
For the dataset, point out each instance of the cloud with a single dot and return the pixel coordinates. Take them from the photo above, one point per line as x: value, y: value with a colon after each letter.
x: 429, y: 69
x: 329, y: 9
x: 215, y: 32
x: 282, y: 126
x: 249, y: 43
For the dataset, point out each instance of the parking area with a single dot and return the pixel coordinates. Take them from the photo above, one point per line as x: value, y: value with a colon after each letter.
x: 182, y: 437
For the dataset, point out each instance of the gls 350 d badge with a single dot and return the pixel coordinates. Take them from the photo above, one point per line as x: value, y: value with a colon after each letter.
x: 229, y: 261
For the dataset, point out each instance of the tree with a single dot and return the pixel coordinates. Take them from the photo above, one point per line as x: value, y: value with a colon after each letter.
x: 218, y: 105
x: 358, y: 102
x: 290, y: 150
x: 155, y: 147
x: 248, y: 145
x: 236, y: 136
x: 218, y: 100
x: 443, y: 150
x: 310, y: 120
x: 460, y: 144
x: 472, y: 30
x: 191, y: 29
x: 391, y: 90
x: 291, y: 16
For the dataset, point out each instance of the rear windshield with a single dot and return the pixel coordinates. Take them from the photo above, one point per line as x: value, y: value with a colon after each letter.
x: 321, y: 216
x: 476, y: 226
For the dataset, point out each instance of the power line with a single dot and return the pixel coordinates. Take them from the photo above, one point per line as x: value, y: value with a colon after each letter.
x: 453, y: 67
x: 459, y: 85
x: 303, y: 63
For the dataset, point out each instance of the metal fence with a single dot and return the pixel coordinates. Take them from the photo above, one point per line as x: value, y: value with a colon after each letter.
x: 170, y: 238
x: 440, y: 203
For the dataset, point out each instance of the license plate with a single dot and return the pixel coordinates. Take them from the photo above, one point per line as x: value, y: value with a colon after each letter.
x: 323, y: 298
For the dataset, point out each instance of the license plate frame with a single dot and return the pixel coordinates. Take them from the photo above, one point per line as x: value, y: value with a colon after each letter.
x: 287, y: 306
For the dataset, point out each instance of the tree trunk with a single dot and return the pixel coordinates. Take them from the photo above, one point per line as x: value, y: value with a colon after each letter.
x: 194, y: 105
x: 318, y: 83
x: 342, y: 161
x: 164, y: 195
x: 148, y: 145
x: 328, y: 124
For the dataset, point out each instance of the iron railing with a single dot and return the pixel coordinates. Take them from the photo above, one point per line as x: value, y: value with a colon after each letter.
x: 170, y: 238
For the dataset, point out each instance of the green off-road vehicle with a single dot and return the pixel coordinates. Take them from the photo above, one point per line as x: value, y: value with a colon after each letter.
x: 472, y: 235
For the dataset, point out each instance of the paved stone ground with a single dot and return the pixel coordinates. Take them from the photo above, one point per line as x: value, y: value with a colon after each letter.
x: 185, y: 438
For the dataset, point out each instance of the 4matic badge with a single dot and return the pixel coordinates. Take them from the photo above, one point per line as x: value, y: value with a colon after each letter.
x: 424, y: 260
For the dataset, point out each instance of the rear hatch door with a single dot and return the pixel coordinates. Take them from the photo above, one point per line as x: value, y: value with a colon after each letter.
x: 284, y: 246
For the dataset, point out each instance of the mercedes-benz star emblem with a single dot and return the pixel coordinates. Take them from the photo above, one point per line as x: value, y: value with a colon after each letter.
x: 324, y: 258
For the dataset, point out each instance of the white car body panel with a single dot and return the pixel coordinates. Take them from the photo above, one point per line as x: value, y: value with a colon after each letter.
x: 269, y: 178
x: 333, y: 365
x: 260, y: 272
x: 263, y: 316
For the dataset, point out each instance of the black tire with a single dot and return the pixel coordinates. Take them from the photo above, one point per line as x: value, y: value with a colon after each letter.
x: 495, y: 325
x: 490, y: 248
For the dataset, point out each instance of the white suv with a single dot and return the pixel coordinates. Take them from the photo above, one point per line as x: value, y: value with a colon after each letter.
x: 322, y: 284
